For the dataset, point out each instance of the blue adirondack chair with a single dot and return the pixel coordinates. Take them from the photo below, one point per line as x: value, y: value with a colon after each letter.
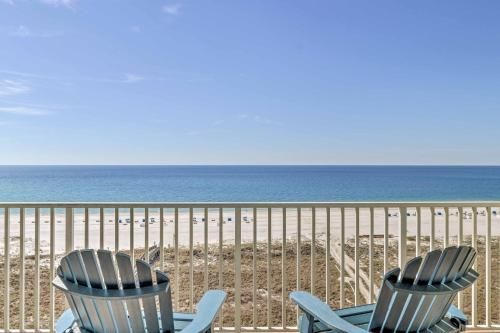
x: 418, y: 299
x: 106, y: 294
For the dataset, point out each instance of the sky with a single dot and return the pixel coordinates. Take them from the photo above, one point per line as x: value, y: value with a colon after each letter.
x: 249, y: 82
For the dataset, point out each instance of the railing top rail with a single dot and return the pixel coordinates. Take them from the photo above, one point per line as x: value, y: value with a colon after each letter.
x: 360, y: 204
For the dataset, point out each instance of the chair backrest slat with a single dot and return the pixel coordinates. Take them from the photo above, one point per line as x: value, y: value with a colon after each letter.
x: 433, y: 314
x: 145, y: 279
x: 79, y: 273
x: 402, y: 307
x: 166, y: 311
x: 75, y: 303
x: 398, y: 300
x: 414, y: 315
x: 463, y: 264
x: 424, y: 275
x: 110, y: 278
x: 94, y: 279
x: 384, y: 300
x: 128, y: 282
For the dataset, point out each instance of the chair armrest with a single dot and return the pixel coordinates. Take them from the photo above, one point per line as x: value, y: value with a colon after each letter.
x: 319, y: 310
x: 65, y: 322
x: 206, y: 310
x: 458, y: 316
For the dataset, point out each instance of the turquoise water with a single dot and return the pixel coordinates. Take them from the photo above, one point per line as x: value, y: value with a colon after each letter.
x: 248, y: 183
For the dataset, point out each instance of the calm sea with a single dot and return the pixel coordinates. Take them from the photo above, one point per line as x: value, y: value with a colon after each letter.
x: 248, y: 183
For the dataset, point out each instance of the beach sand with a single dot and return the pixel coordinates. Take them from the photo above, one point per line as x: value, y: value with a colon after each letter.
x: 228, y: 228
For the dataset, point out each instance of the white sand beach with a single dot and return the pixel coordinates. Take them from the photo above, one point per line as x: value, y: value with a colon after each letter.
x: 228, y: 228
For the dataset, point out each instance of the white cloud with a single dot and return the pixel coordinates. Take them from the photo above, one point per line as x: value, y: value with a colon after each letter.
x: 266, y: 121
x: 59, y: 3
x: 258, y: 119
x: 24, y: 31
x: 23, y: 110
x: 132, y: 78
x: 54, y: 3
x: 13, y: 87
x: 173, y: 9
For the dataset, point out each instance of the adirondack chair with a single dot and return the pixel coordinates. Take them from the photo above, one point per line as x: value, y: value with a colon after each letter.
x: 418, y: 299
x: 105, y: 299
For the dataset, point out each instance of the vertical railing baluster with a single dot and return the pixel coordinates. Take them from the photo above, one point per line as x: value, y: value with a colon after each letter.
x: 460, y: 242
x: 70, y: 230
x: 237, y: 269
x: 283, y: 270
x: 356, y: 258
x: 162, y: 239
x: 299, y: 252
x: 460, y: 226
x: 433, y: 229
x: 269, y: 224
x: 22, y: 223
x: 87, y: 228
x: 132, y: 222
x: 146, y: 234
x: 313, y: 251
x: 386, y: 239
x: 328, y: 256
x: 402, y: 236
x: 52, y: 269
x: 221, y: 261
x: 446, y: 241
x: 254, y: 267
x: 488, y: 286
x: 101, y: 228
x: 117, y: 230
x: 6, y: 267
x: 191, y: 268
x: 36, y: 295
x: 418, y: 211
x: 176, y: 250
x: 342, y: 256
x: 371, y: 254
x: 205, y: 229
x: 474, y: 286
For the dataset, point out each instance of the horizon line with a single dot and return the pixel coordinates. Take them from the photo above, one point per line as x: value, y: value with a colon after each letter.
x: 254, y: 165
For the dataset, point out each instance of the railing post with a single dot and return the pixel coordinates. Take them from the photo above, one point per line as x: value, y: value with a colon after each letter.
x: 371, y: 255
x: 52, y: 268
x: 342, y: 256
x: 69, y: 230
x: 356, y: 258
x: 36, y: 296
x: 402, y: 237
x: 418, y: 211
x: 6, y: 293
x: 22, y: 221
x: 386, y: 239
x: 488, y: 285
x: 474, y: 286
x: 237, y: 269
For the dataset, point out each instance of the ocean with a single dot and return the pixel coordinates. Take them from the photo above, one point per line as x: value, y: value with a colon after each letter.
x: 248, y: 183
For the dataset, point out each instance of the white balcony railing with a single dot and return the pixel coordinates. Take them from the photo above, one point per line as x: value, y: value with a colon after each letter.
x: 257, y: 252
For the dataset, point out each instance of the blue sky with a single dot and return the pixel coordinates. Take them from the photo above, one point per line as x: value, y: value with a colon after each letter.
x: 249, y: 82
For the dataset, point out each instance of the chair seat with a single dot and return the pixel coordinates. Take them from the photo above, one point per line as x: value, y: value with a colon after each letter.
x: 181, y: 320
x: 360, y: 317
